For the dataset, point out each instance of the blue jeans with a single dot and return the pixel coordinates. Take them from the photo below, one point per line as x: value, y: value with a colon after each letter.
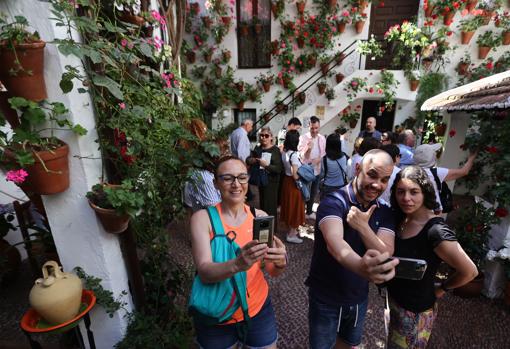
x: 327, y: 322
x: 261, y: 334
x: 314, y: 188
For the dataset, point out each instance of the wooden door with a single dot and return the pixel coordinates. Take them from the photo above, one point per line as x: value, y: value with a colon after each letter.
x: 382, y: 18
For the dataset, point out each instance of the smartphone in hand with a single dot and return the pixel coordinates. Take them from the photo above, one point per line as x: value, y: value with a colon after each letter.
x: 410, y: 268
x: 263, y: 230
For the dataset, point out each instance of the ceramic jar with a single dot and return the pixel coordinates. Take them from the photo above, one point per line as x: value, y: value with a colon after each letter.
x: 56, y: 296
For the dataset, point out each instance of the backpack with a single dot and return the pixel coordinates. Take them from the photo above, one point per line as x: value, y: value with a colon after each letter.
x: 212, y: 304
x: 445, y: 194
x: 306, y: 176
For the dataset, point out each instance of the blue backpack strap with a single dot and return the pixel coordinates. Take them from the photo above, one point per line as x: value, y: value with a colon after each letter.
x: 215, y: 219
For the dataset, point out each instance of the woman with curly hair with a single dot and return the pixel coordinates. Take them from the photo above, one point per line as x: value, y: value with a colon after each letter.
x: 421, y: 235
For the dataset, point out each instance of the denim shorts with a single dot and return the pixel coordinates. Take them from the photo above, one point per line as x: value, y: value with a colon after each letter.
x: 327, y: 322
x: 261, y: 333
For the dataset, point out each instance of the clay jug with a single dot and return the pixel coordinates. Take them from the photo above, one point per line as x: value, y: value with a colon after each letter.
x: 56, y: 296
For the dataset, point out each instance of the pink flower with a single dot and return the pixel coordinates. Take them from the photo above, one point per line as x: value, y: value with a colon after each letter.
x: 124, y: 42
x: 452, y: 132
x: 122, y: 105
x: 16, y: 176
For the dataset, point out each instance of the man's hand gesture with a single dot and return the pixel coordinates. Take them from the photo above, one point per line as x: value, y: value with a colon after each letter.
x: 358, y: 219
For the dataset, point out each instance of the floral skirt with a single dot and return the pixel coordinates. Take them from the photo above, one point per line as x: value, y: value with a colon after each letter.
x: 408, y: 329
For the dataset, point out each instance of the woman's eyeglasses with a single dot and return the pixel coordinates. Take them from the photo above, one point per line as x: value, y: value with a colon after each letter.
x: 228, y: 178
x: 264, y: 135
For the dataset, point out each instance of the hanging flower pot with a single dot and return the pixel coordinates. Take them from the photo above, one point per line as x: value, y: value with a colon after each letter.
x: 506, y: 38
x: 301, y: 42
x: 359, y: 26
x: 462, y: 68
x: 207, y: 57
x: 280, y: 107
x: 266, y: 85
x: 324, y: 68
x: 275, y: 47
x: 110, y: 220
x: 471, y: 4
x: 267, y: 117
x: 226, y: 20
x: 339, y: 78
x: 218, y: 72
x: 300, y: 7
x: 301, y: 97
x: 465, y: 37
x: 487, y: 15
x: 413, y: 84
x: 274, y: 9
x: 340, y: 57
x: 332, y: 4
x: 448, y: 17
x: 340, y: 27
x: 240, y: 86
x: 27, y: 63
x: 132, y: 19
x: 50, y: 172
x: 440, y: 129
x: 429, y: 10
x: 353, y: 123
x: 483, y: 51
x: 322, y: 88
x: 207, y: 21
x: 240, y: 106
x: 312, y: 60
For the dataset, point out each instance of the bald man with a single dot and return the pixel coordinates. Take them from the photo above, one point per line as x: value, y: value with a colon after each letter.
x: 370, y: 130
x: 354, y: 236
x: 239, y: 141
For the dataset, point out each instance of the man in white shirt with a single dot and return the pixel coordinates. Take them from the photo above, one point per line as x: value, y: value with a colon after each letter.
x: 311, y: 148
x: 239, y: 141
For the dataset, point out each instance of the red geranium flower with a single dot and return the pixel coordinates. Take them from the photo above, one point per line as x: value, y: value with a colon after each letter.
x: 491, y: 149
x: 452, y: 132
x: 501, y: 212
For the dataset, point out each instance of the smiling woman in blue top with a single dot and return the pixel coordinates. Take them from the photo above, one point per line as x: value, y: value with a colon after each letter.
x: 354, y: 236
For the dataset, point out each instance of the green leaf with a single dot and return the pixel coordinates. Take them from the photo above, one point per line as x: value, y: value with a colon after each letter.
x: 66, y: 85
x: 79, y: 130
x: 24, y: 158
x: 146, y: 50
x: 82, y: 90
x: 35, y: 116
x: 18, y: 102
x: 94, y: 55
x: 112, y: 86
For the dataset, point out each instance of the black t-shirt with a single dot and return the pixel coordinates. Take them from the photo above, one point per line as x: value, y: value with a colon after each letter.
x: 418, y: 295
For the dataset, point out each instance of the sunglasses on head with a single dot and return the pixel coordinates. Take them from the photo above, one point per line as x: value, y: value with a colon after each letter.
x: 264, y: 135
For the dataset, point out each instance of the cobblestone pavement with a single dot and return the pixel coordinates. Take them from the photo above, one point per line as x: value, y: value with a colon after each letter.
x: 462, y: 323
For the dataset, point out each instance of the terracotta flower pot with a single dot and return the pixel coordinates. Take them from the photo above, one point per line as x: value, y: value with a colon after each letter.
x: 218, y: 72
x: 483, y: 51
x: 353, y: 123
x: 300, y: 42
x: 339, y: 78
x: 301, y: 97
x: 462, y: 68
x: 240, y: 86
x: 240, y: 106
x: 471, y: 289
x: 332, y: 4
x: 322, y: 89
x: 244, y: 30
x: 340, y: 58
x: 324, y: 68
x: 359, y: 26
x: 340, y: 26
x: 465, y: 37
x: 312, y: 61
x: 471, y: 4
x: 429, y: 10
x: 274, y: 10
x: 506, y: 38
x: 53, y: 181
x: 280, y: 107
x: 448, y: 18
x: 28, y: 82
x: 207, y: 21
x: 413, y: 84
x: 226, y: 20
x: 110, y: 220
x: 300, y: 7
x: 440, y: 129
x: 132, y: 19
x: 266, y: 86
x: 207, y: 57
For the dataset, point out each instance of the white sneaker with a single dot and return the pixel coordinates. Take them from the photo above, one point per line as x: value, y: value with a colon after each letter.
x: 310, y: 216
x: 294, y: 239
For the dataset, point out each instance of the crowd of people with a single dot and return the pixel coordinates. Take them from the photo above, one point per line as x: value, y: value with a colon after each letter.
x: 382, y: 201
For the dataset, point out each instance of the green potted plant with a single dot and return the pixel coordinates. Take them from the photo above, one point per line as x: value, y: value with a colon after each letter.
x: 207, y: 52
x: 324, y: 60
x: 115, y: 205
x: 34, y: 146
x: 330, y: 94
x: 468, y: 27
x: 502, y: 21
x: 359, y: 18
x: 321, y: 85
x: 486, y: 42
x: 464, y: 64
x: 265, y: 80
x: 413, y: 76
x: 342, y: 20
x: 370, y: 48
x: 387, y: 86
x: 277, y: 8
x: 350, y: 116
x: 22, y: 60
x: 406, y: 40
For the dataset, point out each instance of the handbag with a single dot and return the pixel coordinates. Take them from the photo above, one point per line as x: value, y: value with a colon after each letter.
x: 306, y: 176
x: 445, y: 194
x: 258, y: 176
